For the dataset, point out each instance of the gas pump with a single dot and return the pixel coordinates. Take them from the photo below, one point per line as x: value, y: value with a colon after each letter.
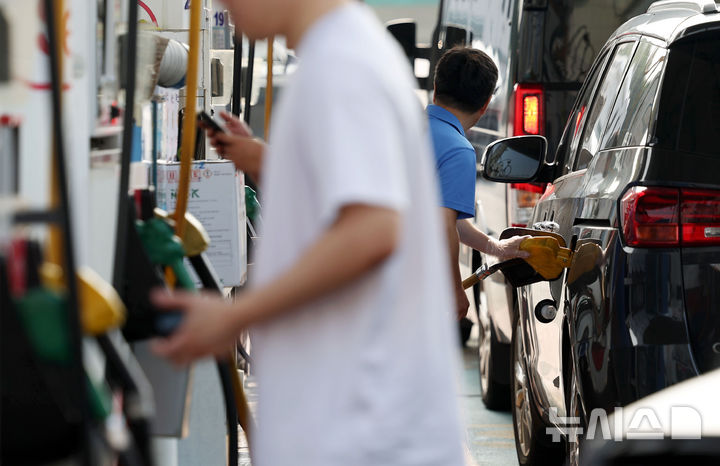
x: 65, y: 362
x: 51, y: 395
x: 148, y: 241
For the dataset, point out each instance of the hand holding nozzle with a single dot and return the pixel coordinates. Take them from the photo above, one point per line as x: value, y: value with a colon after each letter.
x: 543, y: 253
x: 510, y: 248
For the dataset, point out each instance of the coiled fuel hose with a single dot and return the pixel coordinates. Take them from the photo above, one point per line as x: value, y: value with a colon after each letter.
x: 228, y: 374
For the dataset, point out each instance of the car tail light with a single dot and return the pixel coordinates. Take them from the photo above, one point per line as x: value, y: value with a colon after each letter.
x: 529, y: 109
x: 529, y: 119
x: 651, y: 216
x: 700, y: 217
x: 670, y: 217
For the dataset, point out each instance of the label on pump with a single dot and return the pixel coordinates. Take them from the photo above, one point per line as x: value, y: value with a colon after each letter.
x: 217, y: 200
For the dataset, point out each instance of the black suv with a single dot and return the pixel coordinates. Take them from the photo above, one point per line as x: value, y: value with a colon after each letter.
x: 544, y: 50
x: 635, y: 193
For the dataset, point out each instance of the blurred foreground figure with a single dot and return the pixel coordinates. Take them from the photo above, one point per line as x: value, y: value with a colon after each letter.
x: 351, y: 301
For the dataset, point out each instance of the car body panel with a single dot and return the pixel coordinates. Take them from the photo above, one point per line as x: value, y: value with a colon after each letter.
x: 543, y: 349
x: 701, y: 276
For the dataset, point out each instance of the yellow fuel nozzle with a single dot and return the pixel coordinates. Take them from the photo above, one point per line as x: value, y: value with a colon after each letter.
x: 196, y: 239
x: 101, y: 308
x: 547, y: 257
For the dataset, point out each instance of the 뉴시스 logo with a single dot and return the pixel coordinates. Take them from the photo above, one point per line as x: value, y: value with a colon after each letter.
x: 680, y: 422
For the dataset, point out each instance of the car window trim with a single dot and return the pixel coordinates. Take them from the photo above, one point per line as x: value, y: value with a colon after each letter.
x: 626, y: 39
x: 662, y: 46
x: 598, y: 66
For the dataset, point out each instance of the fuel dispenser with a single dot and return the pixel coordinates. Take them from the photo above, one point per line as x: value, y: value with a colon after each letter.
x: 63, y: 327
x: 52, y: 395
x: 152, y: 245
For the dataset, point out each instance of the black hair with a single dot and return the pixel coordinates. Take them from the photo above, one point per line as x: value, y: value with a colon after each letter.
x: 465, y: 79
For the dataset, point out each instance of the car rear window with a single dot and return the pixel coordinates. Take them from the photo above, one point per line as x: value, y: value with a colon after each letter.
x: 689, y: 116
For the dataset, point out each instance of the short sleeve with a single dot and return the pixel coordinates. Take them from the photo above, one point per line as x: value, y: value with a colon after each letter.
x: 353, y: 135
x: 457, y: 172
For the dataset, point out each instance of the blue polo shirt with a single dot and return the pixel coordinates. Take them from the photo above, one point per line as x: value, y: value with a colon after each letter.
x: 454, y: 160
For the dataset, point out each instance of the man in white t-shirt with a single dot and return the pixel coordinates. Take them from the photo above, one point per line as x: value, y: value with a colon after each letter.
x: 351, y: 303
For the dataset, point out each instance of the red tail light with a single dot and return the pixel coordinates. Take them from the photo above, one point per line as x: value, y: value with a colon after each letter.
x: 670, y: 217
x: 529, y: 119
x: 700, y: 217
x: 529, y: 109
x: 650, y: 216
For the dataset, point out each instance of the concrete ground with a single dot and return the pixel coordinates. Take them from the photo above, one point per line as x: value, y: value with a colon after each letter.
x: 488, y: 434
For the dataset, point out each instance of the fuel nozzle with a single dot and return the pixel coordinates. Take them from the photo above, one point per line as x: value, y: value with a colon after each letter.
x: 152, y: 246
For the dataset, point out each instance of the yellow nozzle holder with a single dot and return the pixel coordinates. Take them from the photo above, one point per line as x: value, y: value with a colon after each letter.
x: 547, y: 257
x: 101, y: 308
x: 196, y: 239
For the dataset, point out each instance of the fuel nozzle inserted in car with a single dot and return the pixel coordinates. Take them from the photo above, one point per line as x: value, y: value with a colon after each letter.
x: 547, y: 260
x: 547, y: 257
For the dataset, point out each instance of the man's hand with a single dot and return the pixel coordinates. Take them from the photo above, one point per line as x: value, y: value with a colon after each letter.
x: 236, y: 126
x: 238, y: 145
x: 246, y: 153
x: 509, y: 248
x: 233, y: 124
x: 209, y: 328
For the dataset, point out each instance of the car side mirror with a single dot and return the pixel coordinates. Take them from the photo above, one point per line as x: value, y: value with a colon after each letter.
x: 518, y: 159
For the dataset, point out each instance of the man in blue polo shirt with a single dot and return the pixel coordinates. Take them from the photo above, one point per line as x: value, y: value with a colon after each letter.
x: 465, y: 80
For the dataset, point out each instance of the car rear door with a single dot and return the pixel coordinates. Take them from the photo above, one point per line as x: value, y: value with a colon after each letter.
x: 541, y: 340
x: 609, y: 161
x: 686, y: 154
x: 563, y: 201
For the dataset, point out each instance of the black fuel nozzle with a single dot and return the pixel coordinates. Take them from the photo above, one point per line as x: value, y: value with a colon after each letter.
x: 142, y: 277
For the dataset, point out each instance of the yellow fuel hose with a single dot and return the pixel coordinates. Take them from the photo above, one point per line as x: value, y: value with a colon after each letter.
x: 101, y: 308
x: 189, y: 128
x: 243, y: 410
x: 269, y: 87
x: 187, y: 149
x: 54, y: 252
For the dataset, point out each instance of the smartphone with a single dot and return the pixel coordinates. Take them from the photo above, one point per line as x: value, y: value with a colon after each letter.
x: 210, y: 122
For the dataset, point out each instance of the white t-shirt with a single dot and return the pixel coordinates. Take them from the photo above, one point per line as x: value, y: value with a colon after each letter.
x: 366, y: 376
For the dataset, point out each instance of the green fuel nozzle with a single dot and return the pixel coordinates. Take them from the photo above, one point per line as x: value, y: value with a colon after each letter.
x: 164, y: 248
